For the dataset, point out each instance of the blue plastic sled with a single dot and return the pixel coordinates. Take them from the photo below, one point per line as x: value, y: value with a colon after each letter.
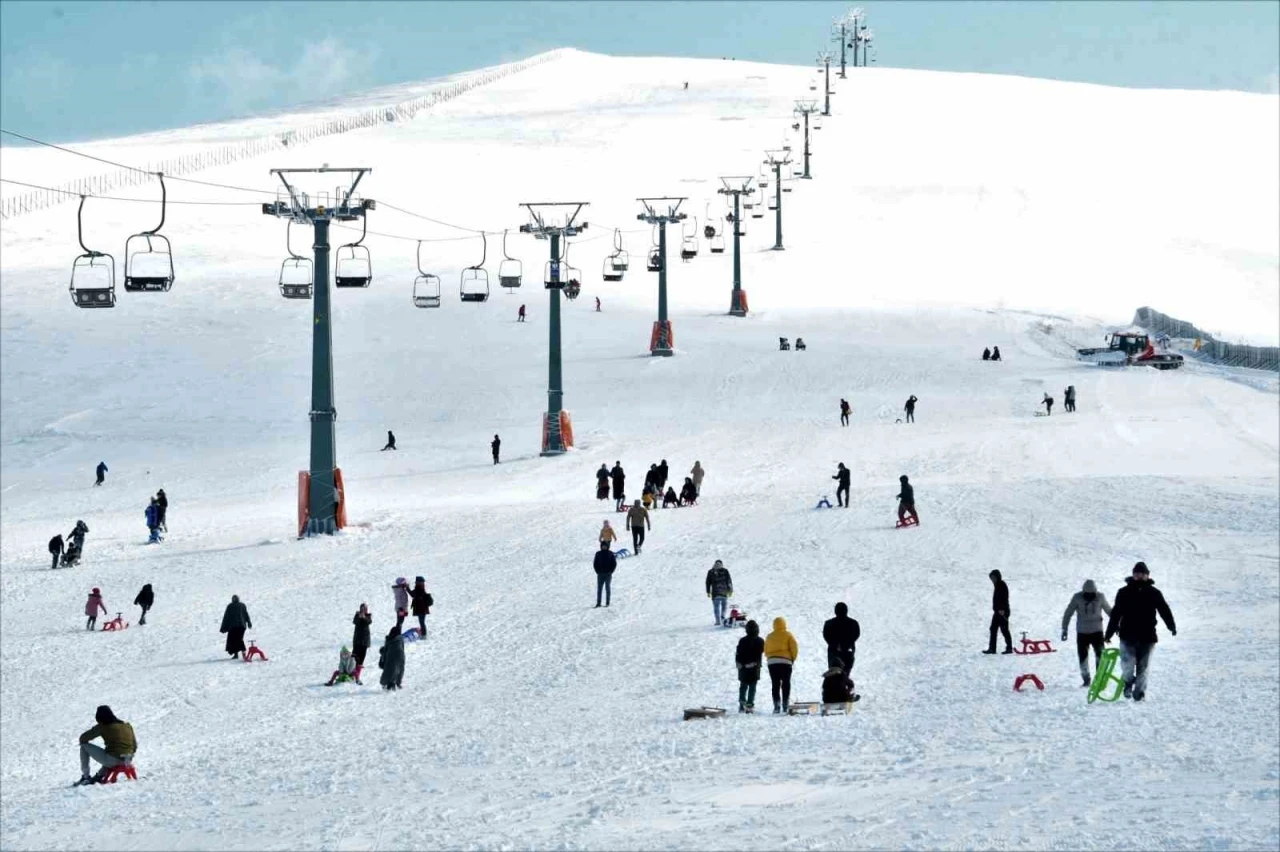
x: 622, y: 553
x: 411, y: 635
x: 824, y: 503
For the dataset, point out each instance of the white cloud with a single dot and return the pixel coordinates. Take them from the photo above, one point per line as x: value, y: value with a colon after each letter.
x: 244, y: 80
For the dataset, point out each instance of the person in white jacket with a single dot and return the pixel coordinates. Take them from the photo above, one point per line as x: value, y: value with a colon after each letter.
x: 1087, y: 605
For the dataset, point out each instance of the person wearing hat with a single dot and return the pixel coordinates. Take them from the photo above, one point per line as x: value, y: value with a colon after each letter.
x: 747, y: 658
x: 841, y: 635
x: 235, y: 621
x: 907, y: 500
x: 999, y: 614
x: 346, y: 669
x: 92, y: 607
x: 401, y: 590
x: 1134, y: 618
x: 1087, y: 606
x: 360, y: 637
x: 118, y: 745
x: 604, y: 564
x: 421, y: 604
x: 719, y: 589
x: 162, y: 503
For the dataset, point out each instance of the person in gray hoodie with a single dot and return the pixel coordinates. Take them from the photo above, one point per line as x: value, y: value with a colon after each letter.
x: 1088, y: 606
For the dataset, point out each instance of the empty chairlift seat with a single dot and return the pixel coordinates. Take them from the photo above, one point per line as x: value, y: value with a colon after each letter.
x: 354, y: 267
x: 93, y: 274
x: 296, y: 278
x: 426, y: 291
x: 148, y: 264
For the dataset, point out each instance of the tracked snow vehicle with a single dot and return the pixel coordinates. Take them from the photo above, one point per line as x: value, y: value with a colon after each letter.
x: 1130, y: 348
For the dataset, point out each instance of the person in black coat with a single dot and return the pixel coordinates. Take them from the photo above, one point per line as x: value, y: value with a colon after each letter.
x: 602, y: 483
x: 605, y: 564
x: 747, y: 658
x: 999, y: 614
x: 841, y: 635
x: 688, y: 493
x: 55, y: 549
x: 101, y: 470
x: 842, y: 486
x: 420, y: 604
x: 986, y: 354
x: 391, y: 659
x: 1133, y: 616
x: 663, y: 473
x: 837, y: 687
x: 360, y: 637
x: 235, y: 621
x: 391, y: 442
x: 910, y: 408
x: 495, y: 445
x: 906, y: 500
x: 162, y: 503
x: 995, y: 353
x: 619, y: 477
x: 145, y: 599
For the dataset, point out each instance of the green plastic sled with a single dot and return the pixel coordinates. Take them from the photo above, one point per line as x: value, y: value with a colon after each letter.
x: 1104, y: 676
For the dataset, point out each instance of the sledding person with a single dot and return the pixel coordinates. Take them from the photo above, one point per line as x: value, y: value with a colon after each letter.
x: 153, y: 522
x: 162, y: 503
x: 719, y: 589
x: 906, y: 500
x: 910, y: 408
x: 1047, y: 402
x: 638, y: 519
x: 671, y: 498
x: 391, y: 442
x: 401, y: 590
x: 995, y: 353
x: 986, y: 354
x: 688, y: 492
x: 391, y: 659
x: 55, y: 550
x: 346, y: 667
x: 649, y: 496
x: 496, y: 446
x: 605, y: 564
x: 92, y: 607
x: 360, y: 637
x: 696, y: 473
x: 844, y: 412
x: 842, y: 487
x: 421, y: 602
x: 119, y: 745
x: 747, y: 658
x: 602, y: 483
x: 607, y: 535
x: 235, y: 621
x: 102, y: 473
x: 999, y: 614
x: 841, y: 635
x: 1069, y: 398
x: 1087, y: 606
x: 780, y: 651
x: 837, y: 687
x: 1134, y: 617
x: 145, y: 599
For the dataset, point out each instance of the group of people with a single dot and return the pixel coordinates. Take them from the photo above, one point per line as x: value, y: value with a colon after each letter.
x: 784, y: 345
x: 155, y: 515
x: 95, y: 605
x: 991, y: 354
x: 1068, y: 400
x: 68, y: 554
x: 779, y: 651
x: 655, y: 492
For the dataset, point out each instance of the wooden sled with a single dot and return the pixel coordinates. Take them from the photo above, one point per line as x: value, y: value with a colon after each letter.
x: 703, y: 713
x: 804, y: 708
x: 843, y: 708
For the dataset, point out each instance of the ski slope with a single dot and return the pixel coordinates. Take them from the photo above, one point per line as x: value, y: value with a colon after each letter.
x: 947, y: 213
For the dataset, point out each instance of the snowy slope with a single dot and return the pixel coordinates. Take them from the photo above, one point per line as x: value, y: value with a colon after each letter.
x: 960, y: 213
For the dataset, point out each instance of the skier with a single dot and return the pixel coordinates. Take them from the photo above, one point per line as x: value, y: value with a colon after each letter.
x: 619, y: 477
x: 55, y: 549
x: 910, y: 408
x: 1047, y: 402
x: 1069, y: 398
x: 391, y: 659
x: 602, y: 483
x: 145, y: 599
x: 999, y: 614
x: 520, y: 314
x: 842, y: 474
x: 607, y: 535
x: 1134, y: 617
x: 597, y: 304
x: 841, y: 635
x: 162, y: 503
x: 92, y: 607
x: 235, y: 621
x: 780, y: 651
x: 696, y: 474
x: 995, y: 353
x: 688, y: 493
x: 844, y: 412
x: 747, y: 658
x: 719, y: 589
x: 663, y: 472
x: 153, y: 522
x: 495, y: 445
x: 686, y: 85
x: 907, y: 500
x: 391, y: 442
x: 986, y: 354
x: 638, y: 519
x: 102, y: 473
x: 118, y: 746
x: 401, y: 590
x: 671, y: 498
x: 1087, y: 606
x: 346, y: 667
x: 605, y: 564
x: 421, y: 604
x: 360, y: 637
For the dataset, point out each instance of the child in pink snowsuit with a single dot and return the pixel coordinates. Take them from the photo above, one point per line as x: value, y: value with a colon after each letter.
x: 91, y: 608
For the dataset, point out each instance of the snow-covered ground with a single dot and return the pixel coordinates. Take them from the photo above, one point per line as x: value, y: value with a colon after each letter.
x: 947, y: 213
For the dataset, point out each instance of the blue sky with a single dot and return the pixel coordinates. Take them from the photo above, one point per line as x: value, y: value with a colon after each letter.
x: 81, y: 70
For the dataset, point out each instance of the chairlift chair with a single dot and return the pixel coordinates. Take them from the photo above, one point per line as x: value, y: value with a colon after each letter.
x: 426, y: 287
x: 621, y: 260
x: 510, y: 270
x: 654, y: 263
x: 354, y: 265
x: 610, y: 272
x: 474, y: 282
x: 572, y: 276
x: 689, y: 248
x: 296, y: 273
x: 150, y: 269
x: 93, y: 274
x: 717, y: 244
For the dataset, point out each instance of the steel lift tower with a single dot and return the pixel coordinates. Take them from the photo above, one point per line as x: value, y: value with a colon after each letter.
x: 736, y: 187
x: 661, y: 340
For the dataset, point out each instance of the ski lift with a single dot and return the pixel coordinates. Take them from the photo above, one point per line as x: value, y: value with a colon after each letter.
x: 765, y: 174
x: 610, y: 272
x: 655, y: 260
x: 510, y: 270
x: 355, y: 268
x: 149, y: 270
x: 296, y: 274
x: 426, y: 287
x: 93, y: 274
x: 573, y: 277
x: 717, y: 244
x: 474, y: 282
x: 772, y: 204
x: 795, y: 126
x: 689, y: 248
x: 621, y: 260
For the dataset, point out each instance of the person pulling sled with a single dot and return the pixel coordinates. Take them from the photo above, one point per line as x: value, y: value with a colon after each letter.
x: 907, y: 503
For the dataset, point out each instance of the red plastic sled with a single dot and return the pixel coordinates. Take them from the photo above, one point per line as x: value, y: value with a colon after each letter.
x: 1023, y: 678
x: 117, y: 623
x: 1034, y: 646
x: 114, y: 773
x: 908, y: 521
x: 254, y: 650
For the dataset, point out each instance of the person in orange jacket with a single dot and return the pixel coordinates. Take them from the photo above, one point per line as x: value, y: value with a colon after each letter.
x: 780, y: 652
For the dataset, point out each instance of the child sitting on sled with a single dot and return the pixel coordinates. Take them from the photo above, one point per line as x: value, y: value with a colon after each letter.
x: 346, y: 670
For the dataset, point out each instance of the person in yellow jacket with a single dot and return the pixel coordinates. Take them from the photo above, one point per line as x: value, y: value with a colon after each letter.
x: 607, y: 535
x: 780, y: 652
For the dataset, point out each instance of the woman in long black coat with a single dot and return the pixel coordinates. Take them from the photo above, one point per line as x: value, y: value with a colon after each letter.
x: 360, y: 639
x: 391, y: 660
x: 235, y: 621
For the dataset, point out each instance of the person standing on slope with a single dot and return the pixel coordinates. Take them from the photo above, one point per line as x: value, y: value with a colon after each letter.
x: 55, y: 550
x: 391, y: 659
x: 842, y: 487
x: 619, y: 477
x: 1069, y: 399
x: 607, y: 535
x: 910, y: 408
x: 663, y: 472
x: 841, y: 635
x: 102, y: 473
x: 1134, y: 617
x: 995, y: 353
x: 145, y: 599
x: 162, y: 503
x: 391, y: 442
x: 602, y: 483
x: 360, y: 637
x: 118, y: 746
x: 906, y: 500
x: 696, y: 474
x: 153, y: 522
x: 999, y: 614
x: 235, y: 621
x: 496, y: 446
x: 638, y: 519
x: 986, y: 354
x: 597, y: 304
x: 719, y: 589
x: 92, y: 607
x: 605, y: 564
x: 844, y: 412
x: 1087, y: 606
x: 780, y: 651
x: 1047, y: 402
x: 520, y: 314
x: 747, y: 659
x: 401, y: 590
x: 421, y: 604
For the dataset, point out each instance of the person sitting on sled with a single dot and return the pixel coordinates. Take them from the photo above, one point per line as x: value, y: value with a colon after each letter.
x: 118, y: 745
x: 688, y: 494
x: 346, y: 669
x: 837, y: 688
x: 670, y: 498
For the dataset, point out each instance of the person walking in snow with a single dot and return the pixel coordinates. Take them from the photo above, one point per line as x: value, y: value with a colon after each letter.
x: 401, y: 590
x: 841, y: 635
x: 906, y: 500
x: 604, y: 564
x: 75, y: 548
x: 999, y: 614
x: 391, y: 659
x: 696, y: 475
x: 650, y: 478
x: 619, y: 478
x: 235, y: 621
x: 844, y: 412
x: 145, y: 599
x: 597, y: 304
x: 719, y: 589
x: 92, y: 607
x: 360, y: 637
x: 346, y: 667
x: 520, y: 314
x: 55, y: 550
x: 747, y: 658
x: 663, y: 472
x: 842, y: 487
x: 1069, y: 399
x: 391, y: 442
x: 602, y: 483
x: 119, y: 745
x: 496, y: 446
x: 421, y: 602
x: 1087, y: 606
x: 153, y: 522
x: 1047, y: 402
x: 638, y: 520
x: 102, y: 473
x: 607, y: 535
x: 910, y: 408
x: 780, y: 651
x: 1134, y: 617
